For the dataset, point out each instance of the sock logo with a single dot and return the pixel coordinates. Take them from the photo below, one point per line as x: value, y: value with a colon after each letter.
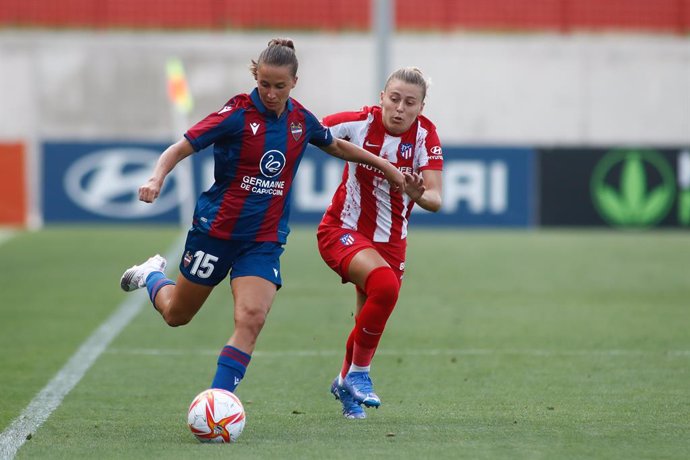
x: 364, y: 329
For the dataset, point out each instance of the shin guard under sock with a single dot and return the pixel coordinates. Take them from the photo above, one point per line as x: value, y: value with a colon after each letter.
x: 382, y: 287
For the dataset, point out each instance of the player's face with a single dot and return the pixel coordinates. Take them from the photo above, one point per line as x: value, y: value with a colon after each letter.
x: 401, y: 104
x: 274, y: 84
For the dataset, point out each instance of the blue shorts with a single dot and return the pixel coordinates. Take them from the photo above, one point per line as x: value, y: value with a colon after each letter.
x: 207, y: 260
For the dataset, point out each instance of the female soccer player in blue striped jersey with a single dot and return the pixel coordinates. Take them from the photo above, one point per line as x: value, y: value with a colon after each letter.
x: 240, y: 224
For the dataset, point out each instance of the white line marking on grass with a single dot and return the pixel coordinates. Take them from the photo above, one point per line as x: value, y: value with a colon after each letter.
x: 50, y: 397
x: 418, y: 352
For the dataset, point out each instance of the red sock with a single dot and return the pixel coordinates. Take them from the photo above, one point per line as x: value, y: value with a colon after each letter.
x: 382, y: 287
x: 349, y: 346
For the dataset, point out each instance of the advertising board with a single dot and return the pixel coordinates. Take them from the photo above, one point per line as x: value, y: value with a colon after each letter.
x: 619, y: 187
x: 99, y: 181
x: 13, y: 191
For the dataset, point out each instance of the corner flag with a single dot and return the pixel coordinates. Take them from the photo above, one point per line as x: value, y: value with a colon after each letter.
x: 178, y: 91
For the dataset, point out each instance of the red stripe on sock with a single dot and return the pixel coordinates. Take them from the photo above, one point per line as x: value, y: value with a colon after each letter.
x: 238, y: 355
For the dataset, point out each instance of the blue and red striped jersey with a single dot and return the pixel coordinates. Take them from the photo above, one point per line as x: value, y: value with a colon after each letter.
x: 256, y: 158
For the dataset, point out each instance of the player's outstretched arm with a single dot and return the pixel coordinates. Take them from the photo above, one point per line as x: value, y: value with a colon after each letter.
x: 166, y: 162
x: 350, y: 152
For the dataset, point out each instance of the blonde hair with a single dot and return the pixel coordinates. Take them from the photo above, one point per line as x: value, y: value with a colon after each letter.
x: 279, y: 52
x: 411, y: 75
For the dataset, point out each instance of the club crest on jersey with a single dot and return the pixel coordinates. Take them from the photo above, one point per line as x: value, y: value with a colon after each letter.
x: 272, y: 163
x: 347, y: 239
x: 406, y: 151
x: 187, y: 259
x: 296, y: 130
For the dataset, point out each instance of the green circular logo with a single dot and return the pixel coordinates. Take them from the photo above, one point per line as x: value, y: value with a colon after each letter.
x: 633, y: 188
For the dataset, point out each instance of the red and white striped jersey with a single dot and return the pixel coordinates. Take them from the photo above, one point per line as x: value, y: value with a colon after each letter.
x: 363, y: 200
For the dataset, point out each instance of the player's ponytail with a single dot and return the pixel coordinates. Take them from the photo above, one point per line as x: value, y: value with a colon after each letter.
x: 279, y: 52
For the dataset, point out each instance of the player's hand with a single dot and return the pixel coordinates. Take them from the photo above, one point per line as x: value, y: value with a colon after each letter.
x: 414, y: 185
x: 149, y: 191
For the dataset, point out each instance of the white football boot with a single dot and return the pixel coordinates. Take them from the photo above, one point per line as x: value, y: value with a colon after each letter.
x: 135, y: 277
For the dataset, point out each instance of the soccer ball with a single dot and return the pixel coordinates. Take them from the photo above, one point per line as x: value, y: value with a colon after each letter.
x: 216, y: 415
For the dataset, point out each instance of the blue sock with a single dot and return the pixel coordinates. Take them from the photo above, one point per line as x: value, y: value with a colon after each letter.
x: 232, y: 364
x: 154, y: 282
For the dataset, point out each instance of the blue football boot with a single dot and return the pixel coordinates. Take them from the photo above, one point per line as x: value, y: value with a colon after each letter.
x: 359, y: 385
x: 350, y: 408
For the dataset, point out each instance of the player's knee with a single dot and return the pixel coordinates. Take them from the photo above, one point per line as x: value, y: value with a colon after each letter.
x: 251, y: 320
x: 382, y: 286
x: 176, y: 320
x: 175, y: 312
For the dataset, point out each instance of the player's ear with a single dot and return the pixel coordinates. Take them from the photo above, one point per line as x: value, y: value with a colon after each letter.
x: 381, y: 98
x: 294, y: 81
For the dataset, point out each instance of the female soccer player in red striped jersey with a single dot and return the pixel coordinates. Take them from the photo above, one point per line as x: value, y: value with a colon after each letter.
x: 241, y: 223
x: 362, y: 235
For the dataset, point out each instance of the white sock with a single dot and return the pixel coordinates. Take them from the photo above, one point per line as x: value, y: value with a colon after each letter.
x: 354, y: 368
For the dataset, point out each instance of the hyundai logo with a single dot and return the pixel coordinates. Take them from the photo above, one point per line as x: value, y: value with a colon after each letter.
x: 106, y: 182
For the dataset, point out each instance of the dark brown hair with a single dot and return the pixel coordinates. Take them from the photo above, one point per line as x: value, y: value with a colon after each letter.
x: 279, y: 52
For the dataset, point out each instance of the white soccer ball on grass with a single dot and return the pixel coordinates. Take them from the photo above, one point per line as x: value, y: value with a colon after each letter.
x: 216, y: 415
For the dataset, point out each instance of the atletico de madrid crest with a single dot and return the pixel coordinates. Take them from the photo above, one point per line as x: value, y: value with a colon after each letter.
x: 296, y: 130
x: 347, y: 240
x: 406, y: 151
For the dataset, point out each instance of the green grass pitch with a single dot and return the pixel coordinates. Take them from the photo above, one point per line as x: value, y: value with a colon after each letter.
x: 504, y: 344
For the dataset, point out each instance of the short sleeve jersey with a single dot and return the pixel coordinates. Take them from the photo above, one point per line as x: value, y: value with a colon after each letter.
x: 256, y: 158
x: 364, y: 201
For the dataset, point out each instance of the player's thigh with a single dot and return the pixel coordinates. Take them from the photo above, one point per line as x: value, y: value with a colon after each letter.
x: 362, y: 264
x: 188, y: 297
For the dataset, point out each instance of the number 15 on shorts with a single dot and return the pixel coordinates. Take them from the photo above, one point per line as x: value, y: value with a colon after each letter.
x: 203, y: 264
